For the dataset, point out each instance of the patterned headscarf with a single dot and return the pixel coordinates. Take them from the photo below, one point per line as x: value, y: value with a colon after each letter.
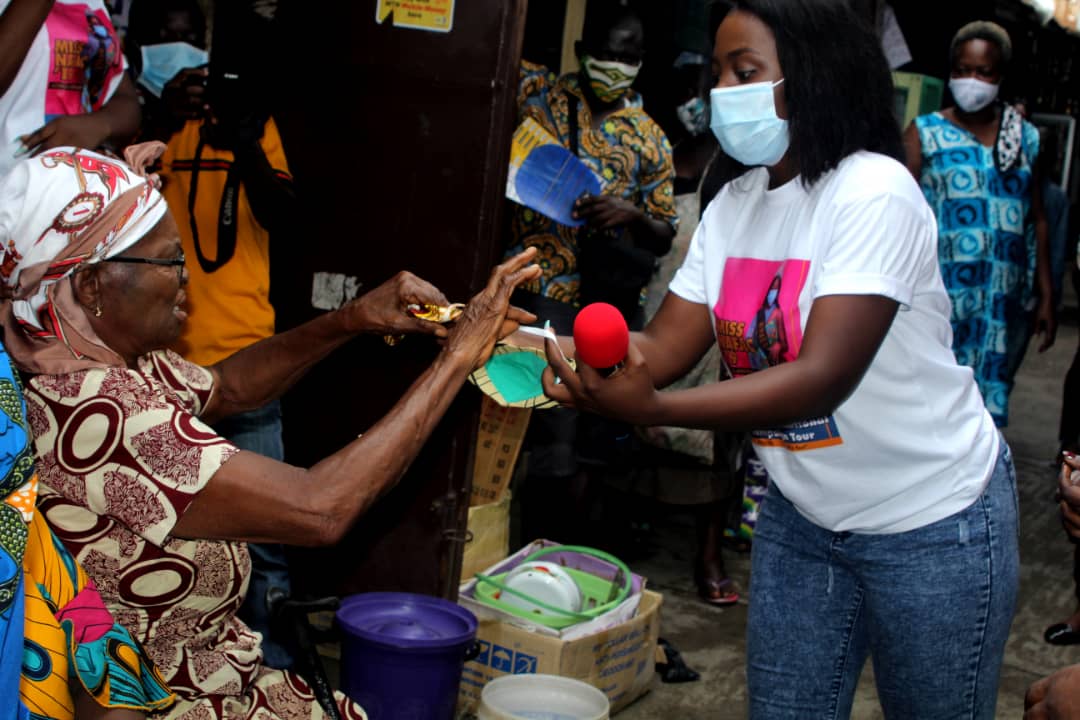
x: 60, y: 211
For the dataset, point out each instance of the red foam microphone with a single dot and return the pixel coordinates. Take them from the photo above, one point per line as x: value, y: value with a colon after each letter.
x: 601, y: 336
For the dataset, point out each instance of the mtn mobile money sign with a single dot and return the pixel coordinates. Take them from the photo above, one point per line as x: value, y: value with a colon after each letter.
x: 433, y: 15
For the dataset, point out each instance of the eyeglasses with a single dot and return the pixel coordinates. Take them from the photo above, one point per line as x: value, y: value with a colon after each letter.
x: 176, y: 262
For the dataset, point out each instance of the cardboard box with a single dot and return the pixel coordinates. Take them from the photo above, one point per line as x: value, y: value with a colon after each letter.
x: 489, y: 536
x: 620, y: 660
x: 498, y: 443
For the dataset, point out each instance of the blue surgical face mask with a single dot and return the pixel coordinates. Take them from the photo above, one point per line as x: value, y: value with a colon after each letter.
x: 161, y: 63
x: 744, y: 120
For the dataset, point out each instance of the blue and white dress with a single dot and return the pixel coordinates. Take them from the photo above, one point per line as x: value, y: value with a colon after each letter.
x: 986, y: 248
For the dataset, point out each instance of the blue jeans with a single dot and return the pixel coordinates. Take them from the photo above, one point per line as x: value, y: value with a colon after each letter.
x: 259, y: 431
x: 931, y: 607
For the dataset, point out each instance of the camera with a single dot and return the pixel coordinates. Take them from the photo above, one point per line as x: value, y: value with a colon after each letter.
x: 234, y: 82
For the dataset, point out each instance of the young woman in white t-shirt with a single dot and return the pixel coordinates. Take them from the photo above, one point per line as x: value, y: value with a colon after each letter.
x: 890, y: 527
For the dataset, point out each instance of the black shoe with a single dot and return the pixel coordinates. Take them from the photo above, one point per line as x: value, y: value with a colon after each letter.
x: 1061, y: 634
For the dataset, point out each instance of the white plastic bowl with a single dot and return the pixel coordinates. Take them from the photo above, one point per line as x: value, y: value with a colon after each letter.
x: 544, y: 581
x: 541, y: 697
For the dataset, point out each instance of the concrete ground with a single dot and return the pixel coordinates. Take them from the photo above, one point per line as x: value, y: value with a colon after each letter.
x: 711, y: 640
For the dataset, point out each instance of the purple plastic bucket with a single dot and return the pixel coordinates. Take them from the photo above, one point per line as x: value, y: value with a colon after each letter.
x: 402, y: 654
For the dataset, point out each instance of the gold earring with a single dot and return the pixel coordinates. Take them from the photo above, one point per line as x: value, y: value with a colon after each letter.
x: 97, y: 311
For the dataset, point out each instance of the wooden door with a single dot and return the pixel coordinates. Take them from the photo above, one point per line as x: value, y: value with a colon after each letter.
x: 398, y: 139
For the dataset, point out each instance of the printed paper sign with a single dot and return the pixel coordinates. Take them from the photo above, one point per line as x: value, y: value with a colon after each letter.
x: 433, y: 15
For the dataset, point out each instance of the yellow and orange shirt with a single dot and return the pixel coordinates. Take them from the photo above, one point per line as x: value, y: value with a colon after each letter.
x: 228, y: 307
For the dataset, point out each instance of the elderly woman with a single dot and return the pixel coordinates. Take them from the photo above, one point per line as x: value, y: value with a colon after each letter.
x: 976, y: 164
x: 153, y: 503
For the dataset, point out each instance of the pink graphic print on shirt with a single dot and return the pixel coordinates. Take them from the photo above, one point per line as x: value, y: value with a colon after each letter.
x: 757, y: 315
x: 758, y: 325
x: 84, y: 60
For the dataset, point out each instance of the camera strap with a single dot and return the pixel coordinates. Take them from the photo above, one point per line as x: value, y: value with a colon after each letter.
x: 227, y: 211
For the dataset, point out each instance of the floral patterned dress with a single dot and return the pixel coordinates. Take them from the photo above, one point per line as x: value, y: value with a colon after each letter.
x: 122, y: 454
x: 51, y: 615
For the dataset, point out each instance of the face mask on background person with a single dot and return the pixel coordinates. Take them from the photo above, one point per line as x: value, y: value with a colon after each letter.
x: 744, y: 120
x: 161, y: 62
x: 972, y: 94
x: 609, y: 80
x: 694, y: 115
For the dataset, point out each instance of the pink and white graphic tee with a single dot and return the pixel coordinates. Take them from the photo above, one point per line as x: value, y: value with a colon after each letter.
x: 74, y: 66
x: 913, y: 443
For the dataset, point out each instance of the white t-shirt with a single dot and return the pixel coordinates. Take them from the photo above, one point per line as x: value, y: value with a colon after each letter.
x: 73, y: 67
x: 913, y: 443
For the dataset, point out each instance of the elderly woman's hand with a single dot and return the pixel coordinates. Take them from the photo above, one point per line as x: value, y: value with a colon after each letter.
x: 383, y: 310
x: 489, y: 317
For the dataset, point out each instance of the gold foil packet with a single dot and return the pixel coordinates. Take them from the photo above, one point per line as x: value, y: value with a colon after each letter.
x: 434, y: 313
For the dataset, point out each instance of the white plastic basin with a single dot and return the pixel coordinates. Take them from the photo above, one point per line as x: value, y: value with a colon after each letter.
x: 541, y: 697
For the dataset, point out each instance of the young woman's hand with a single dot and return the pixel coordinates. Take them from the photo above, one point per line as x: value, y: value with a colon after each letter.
x: 88, y: 131
x: 628, y: 394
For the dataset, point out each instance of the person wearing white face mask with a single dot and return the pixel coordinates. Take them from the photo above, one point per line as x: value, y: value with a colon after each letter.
x: 889, y: 530
x: 976, y: 164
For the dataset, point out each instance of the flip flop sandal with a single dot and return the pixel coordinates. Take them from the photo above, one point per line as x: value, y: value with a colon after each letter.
x: 1061, y: 634
x: 718, y: 592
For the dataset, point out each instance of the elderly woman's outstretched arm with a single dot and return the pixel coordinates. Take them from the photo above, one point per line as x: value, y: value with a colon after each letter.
x: 109, y: 299
x: 262, y: 372
x: 254, y: 498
